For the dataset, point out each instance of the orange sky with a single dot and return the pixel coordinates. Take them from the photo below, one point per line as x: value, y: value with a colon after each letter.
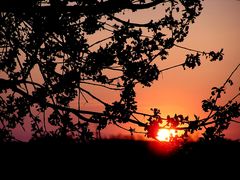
x: 181, y: 92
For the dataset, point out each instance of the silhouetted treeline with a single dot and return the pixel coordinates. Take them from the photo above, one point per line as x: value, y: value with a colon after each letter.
x: 120, y: 159
x: 121, y: 151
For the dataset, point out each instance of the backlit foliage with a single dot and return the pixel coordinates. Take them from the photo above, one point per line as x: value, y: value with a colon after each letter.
x: 48, y: 65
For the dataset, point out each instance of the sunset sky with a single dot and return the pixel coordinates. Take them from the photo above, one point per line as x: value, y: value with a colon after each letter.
x: 182, y: 91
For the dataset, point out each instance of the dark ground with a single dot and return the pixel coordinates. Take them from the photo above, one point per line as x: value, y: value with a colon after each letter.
x: 122, y: 157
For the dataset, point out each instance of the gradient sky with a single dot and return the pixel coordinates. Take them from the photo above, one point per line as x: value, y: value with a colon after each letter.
x: 182, y: 91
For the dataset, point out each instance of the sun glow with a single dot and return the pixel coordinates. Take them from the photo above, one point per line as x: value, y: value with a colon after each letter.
x: 165, y: 134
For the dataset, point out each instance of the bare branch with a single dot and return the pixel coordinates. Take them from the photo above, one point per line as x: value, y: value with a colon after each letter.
x: 83, y: 98
x: 231, y: 75
x: 189, y: 49
x: 235, y: 121
x: 172, y: 67
x: 100, y: 85
x: 128, y: 22
x: 97, y: 42
x: 94, y: 97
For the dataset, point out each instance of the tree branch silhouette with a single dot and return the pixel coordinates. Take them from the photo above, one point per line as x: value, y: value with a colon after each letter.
x: 52, y: 57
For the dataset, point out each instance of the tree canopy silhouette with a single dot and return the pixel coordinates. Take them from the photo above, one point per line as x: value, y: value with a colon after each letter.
x: 54, y: 51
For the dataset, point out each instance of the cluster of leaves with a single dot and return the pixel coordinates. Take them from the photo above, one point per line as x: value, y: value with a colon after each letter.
x: 52, y: 41
x: 221, y: 115
x: 212, y: 127
x: 193, y: 60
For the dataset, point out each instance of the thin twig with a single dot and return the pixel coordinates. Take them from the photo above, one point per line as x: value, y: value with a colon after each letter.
x: 128, y: 22
x: 97, y: 42
x: 80, y: 92
x: 94, y: 97
x: 235, y: 121
x: 235, y: 97
x: 224, y: 84
x: 100, y: 85
x: 138, y: 132
x: 189, y: 49
x: 178, y: 65
x: 231, y: 75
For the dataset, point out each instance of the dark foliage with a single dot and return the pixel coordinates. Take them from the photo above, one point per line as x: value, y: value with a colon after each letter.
x: 48, y: 62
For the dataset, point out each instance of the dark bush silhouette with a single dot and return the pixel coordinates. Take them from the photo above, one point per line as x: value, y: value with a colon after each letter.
x: 48, y: 61
x: 120, y: 158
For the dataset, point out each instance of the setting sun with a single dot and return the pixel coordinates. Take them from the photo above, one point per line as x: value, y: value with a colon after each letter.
x: 165, y: 134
